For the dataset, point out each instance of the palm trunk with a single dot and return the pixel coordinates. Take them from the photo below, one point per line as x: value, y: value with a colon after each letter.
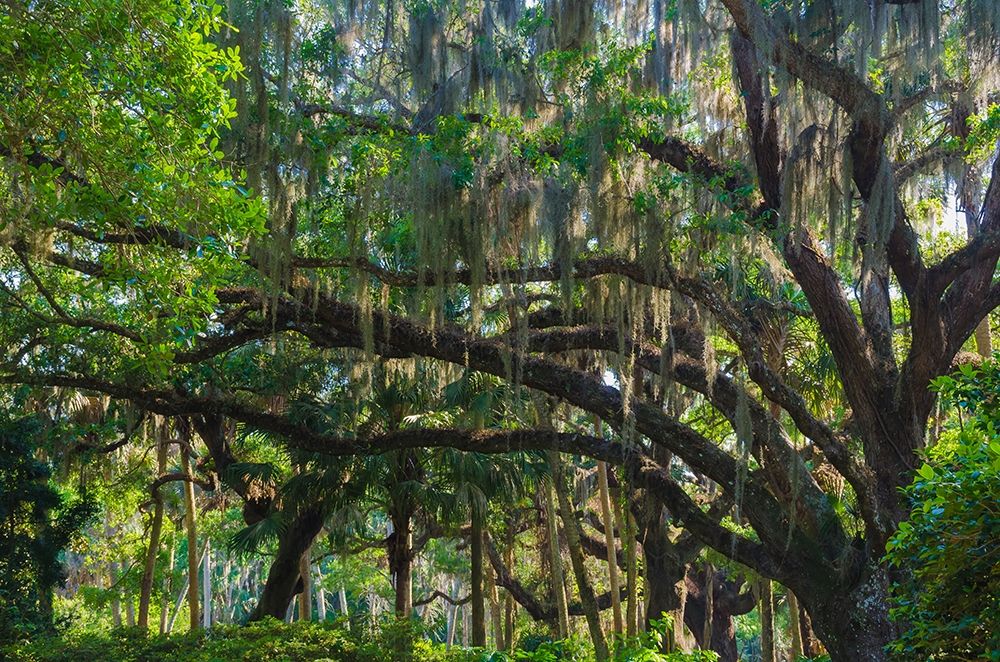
x: 555, y: 559
x: 609, y: 539
x: 478, y: 597
x: 155, y: 529
x: 192, y: 538
x: 571, y: 527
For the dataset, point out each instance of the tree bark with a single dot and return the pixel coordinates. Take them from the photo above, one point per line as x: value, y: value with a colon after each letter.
x: 478, y: 596
x: 320, y: 595
x: 728, y: 601
x: 854, y: 626
x: 283, y: 577
x: 305, y: 596
x: 706, y: 635
x: 609, y: 538
x: 625, y: 522
x: 401, y: 560
x: 572, y: 528
x: 555, y: 560
x: 794, y: 625
x: 496, y: 612
x: 508, y: 600
x: 206, y: 584
x: 155, y: 529
x: 766, y: 621
x: 192, y: 538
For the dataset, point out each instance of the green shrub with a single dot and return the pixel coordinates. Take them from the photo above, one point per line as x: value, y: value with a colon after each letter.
x: 264, y: 641
x: 948, y: 551
x: 274, y: 641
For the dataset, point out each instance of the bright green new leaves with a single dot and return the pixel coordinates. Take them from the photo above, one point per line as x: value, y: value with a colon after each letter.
x: 110, y: 121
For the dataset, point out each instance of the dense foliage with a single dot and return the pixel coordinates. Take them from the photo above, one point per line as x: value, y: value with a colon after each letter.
x: 271, y: 641
x: 500, y: 323
x: 948, y: 547
x: 37, y: 522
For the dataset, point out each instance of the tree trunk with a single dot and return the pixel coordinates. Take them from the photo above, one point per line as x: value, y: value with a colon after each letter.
x: 626, y: 524
x: 401, y: 561
x: 320, y: 595
x: 342, y: 595
x: 206, y: 584
x: 706, y: 635
x: 283, y: 577
x: 508, y: 600
x: 496, y: 613
x: 305, y: 597
x: 155, y: 529
x: 168, y: 585
x: 766, y: 621
x: 854, y: 627
x: 609, y: 538
x: 728, y: 601
x: 663, y: 573
x: 794, y: 625
x: 555, y: 559
x: 192, y: 538
x: 478, y: 597
x: 571, y: 527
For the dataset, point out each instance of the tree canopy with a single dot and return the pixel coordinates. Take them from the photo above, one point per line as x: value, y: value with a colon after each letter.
x: 389, y: 272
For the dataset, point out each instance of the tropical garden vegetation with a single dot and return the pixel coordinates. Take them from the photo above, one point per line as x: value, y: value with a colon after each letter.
x: 499, y: 330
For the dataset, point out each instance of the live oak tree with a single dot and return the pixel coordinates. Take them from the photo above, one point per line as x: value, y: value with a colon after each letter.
x: 621, y: 208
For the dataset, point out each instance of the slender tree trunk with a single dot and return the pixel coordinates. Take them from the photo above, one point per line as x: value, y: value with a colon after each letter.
x: 478, y: 597
x: 496, y: 612
x: 320, y: 595
x: 206, y: 585
x: 342, y: 595
x: 555, y: 559
x: 155, y: 529
x: 168, y: 585
x: 627, y: 526
x: 609, y: 539
x: 766, y: 621
x: 794, y: 625
x: 508, y: 600
x: 401, y: 561
x: 129, y: 612
x: 192, y: 538
x: 185, y: 589
x: 680, y: 642
x: 709, y: 605
x: 571, y: 527
x: 451, y: 624
x: 305, y: 597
